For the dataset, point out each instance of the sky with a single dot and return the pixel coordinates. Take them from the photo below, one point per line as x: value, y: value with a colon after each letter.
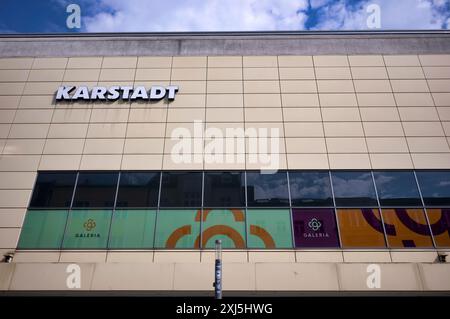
x: 50, y: 16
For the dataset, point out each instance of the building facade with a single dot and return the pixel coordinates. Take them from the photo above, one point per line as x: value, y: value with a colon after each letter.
x: 319, y: 160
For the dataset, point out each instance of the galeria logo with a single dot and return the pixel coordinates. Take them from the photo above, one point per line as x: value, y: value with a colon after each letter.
x: 89, y: 224
x: 314, y: 224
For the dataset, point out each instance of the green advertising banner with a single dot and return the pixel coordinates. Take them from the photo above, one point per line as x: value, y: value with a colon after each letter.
x: 269, y: 228
x: 227, y: 225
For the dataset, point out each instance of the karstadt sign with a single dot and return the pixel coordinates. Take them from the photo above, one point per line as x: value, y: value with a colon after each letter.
x: 155, y: 93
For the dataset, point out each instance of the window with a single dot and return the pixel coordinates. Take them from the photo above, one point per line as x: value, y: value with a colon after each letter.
x: 269, y: 228
x: 96, y: 190
x: 315, y: 228
x: 181, y: 189
x: 227, y: 225
x: 361, y: 228
x: 53, y: 190
x: 435, y: 187
x: 178, y: 228
x: 310, y: 189
x: 132, y: 229
x: 267, y: 189
x: 354, y: 189
x: 397, y: 188
x: 224, y: 189
x: 43, y: 229
x: 138, y: 189
x: 87, y: 229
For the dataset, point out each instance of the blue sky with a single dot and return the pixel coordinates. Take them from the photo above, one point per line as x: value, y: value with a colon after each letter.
x: 30, y: 16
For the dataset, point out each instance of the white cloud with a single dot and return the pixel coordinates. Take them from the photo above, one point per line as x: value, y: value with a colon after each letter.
x: 198, y: 15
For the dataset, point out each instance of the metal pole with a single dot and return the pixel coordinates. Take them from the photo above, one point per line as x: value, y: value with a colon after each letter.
x: 218, y: 271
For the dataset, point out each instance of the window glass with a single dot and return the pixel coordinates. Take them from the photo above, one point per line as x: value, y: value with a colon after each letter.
x: 354, y: 188
x: 397, y: 188
x: 87, y: 229
x: 315, y: 228
x: 53, y: 190
x: 132, y: 229
x: 440, y: 225
x: 361, y: 228
x: 406, y: 227
x: 178, y: 228
x: 310, y: 188
x: 181, y: 189
x: 269, y: 228
x: 96, y: 189
x: 267, y: 189
x: 227, y: 225
x: 43, y: 229
x: 224, y: 189
x: 435, y: 187
x: 138, y: 189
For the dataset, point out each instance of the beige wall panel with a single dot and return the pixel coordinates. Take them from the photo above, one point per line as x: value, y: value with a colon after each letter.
x: 369, y: 73
x: 387, y: 145
x: 189, y: 62
x: 319, y: 256
x: 17, y: 180
x: 300, y: 100
x: 107, y: 130
x: 13, y: 75
x: 119, y: 62
x: 33, y: 116
x: 36, y: 257
x: 38, y: 88
x: 148, y: 115
x: 12, y: 88
x: 307, y: 161
x: 446, y: 126
x: 148, y: 162
x: 369, y: 114
x: 228, y: 256
x: 220, y: 74
x: 366, y: 60
x: 305, y: 145
x: 376, y: 129
x: 349, y: 161
x: 366, y: 256
x: 260, y: 100
x: 405, y: 73
x: 68, y: 130
x: 176, y: 257
x: 344, y: 129
x: 50, y: 63
x: 7, y: 116
x: 376, y: 99
x: 117, y: 74
x: 170, y: 163
x: 409, y: 86
x: 437, y: 72
x: 198, y: 74
x: 14, y: 198
x: 83, y: 257
x: 154, y: 62
x: 418, y: 114
x: 265, y: 87
x: 304, y: 114
x: 413, y: 256
x: 260, y: 61
x: 71, y: 116
x: 414, y: 99
x: 64, y: 146
x: 338, y: 100
x: 335, y: 86
x: 60, y: 162
x: 333, y: 73
x: 288, y: 61
x: 367, y: 86
x: 152, y: 75
x: 277, y: 161
x: 16, y: 63
x: 391, y: 161
x: 330, y: 60
x: 263, y: 115
x: 428, y: 144
x: 346, y: 145
x: 12, y: 218
x: 224, y: 61
x: 186, y: 115
x: 19, y: 163
x: 340, y: 114
x: 260, y: 74
x: 144, y: 146
x: 23, y: 147
x: 82, y: 75
x: 4, y: 130
x: 444, y: 113
x: 109, y: 115
x: 29, y: 130
x: 46, y: 76
x: 297, y: 73
x: 100, y: 162
x: 224, y: 115
x: 145, y: 130
x: 302, y: 129
x: 435, y: 277
x: 271, y: 256
x: 429, y: 161
x: 37, y: 102
x: 103, y: 146
x: 85, y: 63
x: 401, y: 60
x: 213, y: 87
x: 186, y: 87
x: 191, y: 100
x: 422, y: 129
x: 439, y: 85
x: 129, y: 257
x: 9, y: 102
x: 292, y: 277
x: 9, y: 237
x: 435, y: 59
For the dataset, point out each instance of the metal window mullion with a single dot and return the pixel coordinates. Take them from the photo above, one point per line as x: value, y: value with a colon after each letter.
x: 335, y: 210
x: 113, y: 210
x: 69, y: 210
x: 380, y: 211
x: 291, y: 212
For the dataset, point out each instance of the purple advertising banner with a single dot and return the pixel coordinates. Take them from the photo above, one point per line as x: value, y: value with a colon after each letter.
x: 315, y: 228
